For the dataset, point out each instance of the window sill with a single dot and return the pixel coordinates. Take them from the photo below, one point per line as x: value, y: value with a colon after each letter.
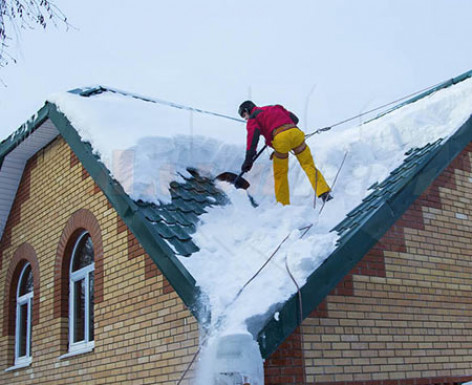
x: 20, y: 365
x: 86, y: 348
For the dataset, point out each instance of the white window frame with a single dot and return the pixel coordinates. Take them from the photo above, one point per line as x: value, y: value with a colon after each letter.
x: 86, y: 345
x: 20, y: 301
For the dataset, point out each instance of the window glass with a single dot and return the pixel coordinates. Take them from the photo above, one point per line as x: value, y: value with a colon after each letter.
x: 83, y: 253
x: 91, y: 299
x: 23, y: 330
x: 79, y: 311
x: 26, y: 284
x: 81, y: 316
x: 24, y: 305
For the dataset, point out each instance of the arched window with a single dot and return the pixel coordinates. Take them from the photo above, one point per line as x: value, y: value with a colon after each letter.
x: 24, y: 309
x: 81, y: 316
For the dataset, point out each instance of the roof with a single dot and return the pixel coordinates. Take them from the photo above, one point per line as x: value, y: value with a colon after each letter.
x: 166, y: 230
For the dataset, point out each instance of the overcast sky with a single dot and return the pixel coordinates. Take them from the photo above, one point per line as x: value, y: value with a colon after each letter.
x: 340, y: 57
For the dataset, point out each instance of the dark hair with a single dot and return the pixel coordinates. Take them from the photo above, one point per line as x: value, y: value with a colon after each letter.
x: 246, y: 106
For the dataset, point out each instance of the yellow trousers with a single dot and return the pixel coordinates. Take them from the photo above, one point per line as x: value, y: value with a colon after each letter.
x: 283, y: 143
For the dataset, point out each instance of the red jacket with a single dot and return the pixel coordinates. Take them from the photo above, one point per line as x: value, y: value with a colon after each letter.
x: 264, y: 120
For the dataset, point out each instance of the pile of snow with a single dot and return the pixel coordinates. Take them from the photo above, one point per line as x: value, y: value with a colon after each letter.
x: 231, y: 359
x: 154, y: 142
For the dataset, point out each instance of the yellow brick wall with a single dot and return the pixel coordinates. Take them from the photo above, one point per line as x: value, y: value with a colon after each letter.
x: 411, y: 322
x: 143, y: 333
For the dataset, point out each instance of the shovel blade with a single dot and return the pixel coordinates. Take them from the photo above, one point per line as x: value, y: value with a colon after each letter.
x: 234, y: 179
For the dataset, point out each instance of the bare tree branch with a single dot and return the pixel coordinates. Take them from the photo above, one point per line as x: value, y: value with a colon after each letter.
x: 25, y: 14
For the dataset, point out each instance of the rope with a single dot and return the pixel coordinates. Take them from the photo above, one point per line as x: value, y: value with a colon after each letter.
x: 220, y: 319
x: 258, y: 271
x: 171, y: 104
x: 335, y: 178
x: 299, y: 293
x: 307, y: 228
x: 300, y: 302
x: 300, y: 306
x: 373, y: 110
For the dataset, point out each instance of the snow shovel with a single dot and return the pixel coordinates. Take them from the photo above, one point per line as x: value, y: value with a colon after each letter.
x: 236, y: 179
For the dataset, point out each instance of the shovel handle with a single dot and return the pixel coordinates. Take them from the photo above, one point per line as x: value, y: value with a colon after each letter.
x: 254, y: 159
x: 260, y: 152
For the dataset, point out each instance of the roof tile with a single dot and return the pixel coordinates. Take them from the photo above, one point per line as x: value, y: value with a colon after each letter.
x: 176, y: 221
x: 382, y: 192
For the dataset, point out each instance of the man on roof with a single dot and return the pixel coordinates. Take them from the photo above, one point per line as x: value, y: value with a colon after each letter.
x: 279, y: 128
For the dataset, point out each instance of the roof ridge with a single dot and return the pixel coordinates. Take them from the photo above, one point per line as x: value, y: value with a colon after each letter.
x: 96, y: 90
x: 424, y: 93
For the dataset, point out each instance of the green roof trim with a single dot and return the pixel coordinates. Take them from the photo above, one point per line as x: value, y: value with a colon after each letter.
x: 364, y: 227
x: 22, y: 133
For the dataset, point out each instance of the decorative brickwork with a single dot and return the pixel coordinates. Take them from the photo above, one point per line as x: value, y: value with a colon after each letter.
x: 85, y: 173
x: 144, y: 334
x: 134, y: 248
x: 166, y: 286
x: 24, y: 254
x: 321, y: 311
x: 74, y: 161
x: 373, y: 264
x: 151, y: 269
x: 120, y: 226
x: 285, y: 366
x: 81, y: 220
x: 403, y: 315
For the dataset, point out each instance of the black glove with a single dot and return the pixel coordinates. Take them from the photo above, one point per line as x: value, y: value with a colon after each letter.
x: 249, y: 161
x: 247, y: 165
x: 241, y: 183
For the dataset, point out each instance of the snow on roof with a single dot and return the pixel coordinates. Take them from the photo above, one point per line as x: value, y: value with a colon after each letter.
x: 237, y: 239
x: 146, y: 143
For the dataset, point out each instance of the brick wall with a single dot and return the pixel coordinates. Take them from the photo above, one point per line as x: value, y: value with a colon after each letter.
x: 143, y: 332
x: 285, y: 366
x: 403, y: 316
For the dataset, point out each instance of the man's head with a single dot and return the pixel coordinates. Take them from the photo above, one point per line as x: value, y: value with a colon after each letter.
x: 245, y: 109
